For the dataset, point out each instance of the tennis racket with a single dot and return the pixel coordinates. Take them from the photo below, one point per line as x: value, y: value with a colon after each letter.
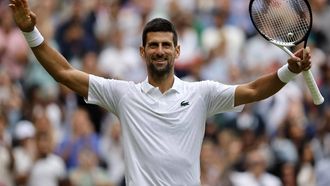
x: 286, y: 23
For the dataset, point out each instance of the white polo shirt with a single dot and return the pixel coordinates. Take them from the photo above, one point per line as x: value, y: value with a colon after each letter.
x: 162, y: 133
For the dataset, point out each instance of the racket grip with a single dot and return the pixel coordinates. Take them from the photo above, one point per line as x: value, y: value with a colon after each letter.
x: 314, y: 90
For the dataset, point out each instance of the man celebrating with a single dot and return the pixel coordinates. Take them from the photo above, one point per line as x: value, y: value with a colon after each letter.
x: 163, y: 117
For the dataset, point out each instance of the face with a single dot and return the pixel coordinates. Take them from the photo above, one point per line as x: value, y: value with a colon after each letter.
x: 256, y: 163
x: 44, y: 144
x: 160, y: 53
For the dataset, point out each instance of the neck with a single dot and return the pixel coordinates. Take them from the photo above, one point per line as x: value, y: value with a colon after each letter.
x: 164, y: 83
x: 42, y: 155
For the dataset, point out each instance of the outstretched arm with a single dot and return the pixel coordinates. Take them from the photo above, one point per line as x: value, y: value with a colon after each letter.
x: 54, y: 63
x: 268, y: 85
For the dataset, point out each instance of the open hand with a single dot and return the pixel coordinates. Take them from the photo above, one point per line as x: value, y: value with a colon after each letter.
x: 302, y: 61
x: 24, y: 18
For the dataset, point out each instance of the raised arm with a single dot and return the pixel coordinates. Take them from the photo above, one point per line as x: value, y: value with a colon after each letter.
x: 268, y: 85
x: 54, y: 63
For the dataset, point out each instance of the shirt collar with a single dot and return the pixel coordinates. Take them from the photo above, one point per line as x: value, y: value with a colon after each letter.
x: 177, y: 86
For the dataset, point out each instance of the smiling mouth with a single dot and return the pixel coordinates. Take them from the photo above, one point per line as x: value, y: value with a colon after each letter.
x: 160, y: 61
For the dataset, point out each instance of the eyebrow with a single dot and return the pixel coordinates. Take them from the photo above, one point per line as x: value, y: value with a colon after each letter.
x: 162, y: 42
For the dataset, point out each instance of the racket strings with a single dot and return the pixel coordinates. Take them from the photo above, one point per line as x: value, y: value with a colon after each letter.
x: 285, y: 21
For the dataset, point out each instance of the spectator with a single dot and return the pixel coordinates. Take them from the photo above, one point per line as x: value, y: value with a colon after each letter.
x: 24, y: 153
x: 48, y: 168
x: 321, y: 170
x: 72, y: 35
x: 190, y: 57
x: 88, y: 173
x: 6, y: 156
x: 306, y: 171
x: 112, y: 151
x: 321, y: 16
x: 256, y: 173
x: 81, y: 136
x: 223, y: 44
x: 13, y: 48
x: 210, y: 170
x: 120, y: 61
x: 11, y: 99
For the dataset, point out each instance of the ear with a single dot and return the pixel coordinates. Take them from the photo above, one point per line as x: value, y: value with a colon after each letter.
x: 177, y: 51
x: 142, y: 53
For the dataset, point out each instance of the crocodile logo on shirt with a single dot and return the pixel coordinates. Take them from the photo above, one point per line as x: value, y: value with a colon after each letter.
x: 184, y: 103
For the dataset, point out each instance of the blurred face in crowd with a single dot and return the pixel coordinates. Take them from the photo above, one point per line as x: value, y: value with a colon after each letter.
x: 81, y: 123
x: 44, y: 144
x: 160, y: 53
x: 256, y: 163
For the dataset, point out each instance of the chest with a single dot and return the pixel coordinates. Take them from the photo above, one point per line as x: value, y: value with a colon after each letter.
x: 171, y: 107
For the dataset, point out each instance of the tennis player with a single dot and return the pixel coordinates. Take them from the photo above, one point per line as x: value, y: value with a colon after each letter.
x: 163, y: 117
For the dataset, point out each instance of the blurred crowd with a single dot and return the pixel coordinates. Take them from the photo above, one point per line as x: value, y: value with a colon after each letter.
x: 49, y: 136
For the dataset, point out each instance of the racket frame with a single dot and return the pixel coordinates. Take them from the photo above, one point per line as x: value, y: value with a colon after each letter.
x: 308, y: 76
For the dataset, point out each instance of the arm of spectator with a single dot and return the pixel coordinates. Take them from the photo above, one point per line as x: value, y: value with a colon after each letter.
x: 54, y: 63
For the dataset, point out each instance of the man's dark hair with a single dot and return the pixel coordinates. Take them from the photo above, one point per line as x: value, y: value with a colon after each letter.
x: 159, y: 25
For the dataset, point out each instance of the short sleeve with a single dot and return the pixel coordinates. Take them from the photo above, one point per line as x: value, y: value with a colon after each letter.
x: 105, y: 92
x: 219, y: 97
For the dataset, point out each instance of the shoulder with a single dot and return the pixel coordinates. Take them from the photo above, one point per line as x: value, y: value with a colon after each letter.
x: 271, y: 179
x: 206, y: 86
x: 106, y: 82
x: 55, y: 158
x: 211, y: 85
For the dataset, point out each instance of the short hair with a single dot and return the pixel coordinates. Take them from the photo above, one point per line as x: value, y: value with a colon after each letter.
x: 159, y: 25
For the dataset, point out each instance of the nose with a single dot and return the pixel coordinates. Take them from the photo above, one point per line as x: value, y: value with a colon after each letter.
x: 160, y: 50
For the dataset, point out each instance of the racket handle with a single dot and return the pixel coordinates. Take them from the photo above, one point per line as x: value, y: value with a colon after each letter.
x: 311, y: 84
x: 309, y: 79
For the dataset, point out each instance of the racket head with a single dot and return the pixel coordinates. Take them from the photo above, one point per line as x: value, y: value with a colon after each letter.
x: 282, y: 22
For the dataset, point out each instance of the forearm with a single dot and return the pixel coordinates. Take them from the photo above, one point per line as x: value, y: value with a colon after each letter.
x: 263, y: 87
x: 59, y: 68
x: 257, y: 90
x: 266, y: 86
x: 53, y: 62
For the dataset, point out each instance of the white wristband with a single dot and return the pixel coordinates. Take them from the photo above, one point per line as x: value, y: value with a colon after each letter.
x: 284, y: 74
x: 33, y: 38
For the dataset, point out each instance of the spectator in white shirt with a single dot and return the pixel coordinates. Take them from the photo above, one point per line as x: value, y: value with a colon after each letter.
x: 48, y: 168
x: 255, y: 174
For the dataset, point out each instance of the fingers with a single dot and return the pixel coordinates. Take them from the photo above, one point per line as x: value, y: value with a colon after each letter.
x: 12, y: 4
x: 33, y: 17
x: 18, y: 3
x: 12, y: 1
x: 301, y: 61
x: 299, y: 53
x: 307, y: 54
x: 302, y: 53
x: 306, y: 62
x: 23, y: 17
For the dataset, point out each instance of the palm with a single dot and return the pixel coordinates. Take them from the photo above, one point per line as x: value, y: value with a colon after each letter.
x: 23, y: 17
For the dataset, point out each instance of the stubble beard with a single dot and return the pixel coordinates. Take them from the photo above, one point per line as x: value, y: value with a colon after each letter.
x: 160, y: 72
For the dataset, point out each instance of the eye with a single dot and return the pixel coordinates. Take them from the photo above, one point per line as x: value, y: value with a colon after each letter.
x: 167, y: 45
x: 152, y: 45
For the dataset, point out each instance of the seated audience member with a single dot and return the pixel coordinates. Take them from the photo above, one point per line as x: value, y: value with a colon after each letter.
x: 48, y: 168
